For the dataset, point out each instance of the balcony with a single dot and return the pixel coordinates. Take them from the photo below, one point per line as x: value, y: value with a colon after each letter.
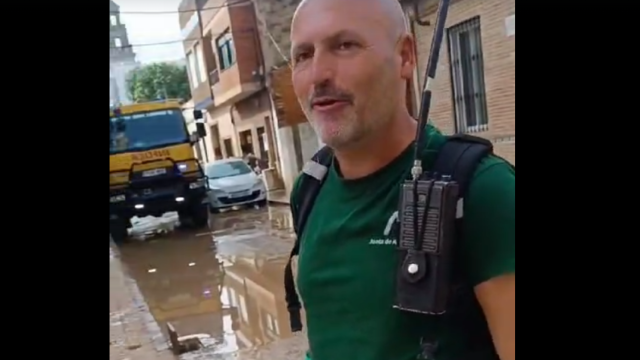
x: 235, y: 83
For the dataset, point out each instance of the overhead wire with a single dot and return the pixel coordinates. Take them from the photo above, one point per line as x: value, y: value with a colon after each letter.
x: 240, y: 31
x: 225, y: 5
x: 169, y: 42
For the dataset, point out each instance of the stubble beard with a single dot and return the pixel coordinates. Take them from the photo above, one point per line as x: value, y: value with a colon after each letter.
x: 340, y: 133
x: 353, y: 127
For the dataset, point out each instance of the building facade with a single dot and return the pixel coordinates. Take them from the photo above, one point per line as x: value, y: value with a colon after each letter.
x: 296, y: 139
x: 122, y: 59
x: 224, y: 62
x: 474, y: 89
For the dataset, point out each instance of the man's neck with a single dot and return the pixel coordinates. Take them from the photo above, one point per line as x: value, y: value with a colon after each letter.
x: 379, y: 150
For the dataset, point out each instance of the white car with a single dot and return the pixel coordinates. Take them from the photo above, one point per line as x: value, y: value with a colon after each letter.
x: 232, y: 182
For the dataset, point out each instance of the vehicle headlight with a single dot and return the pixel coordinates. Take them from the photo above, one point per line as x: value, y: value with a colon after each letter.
x: 182, y: 166
x: 117, y: 198
x: 196, y: 184
x: 259, y: 182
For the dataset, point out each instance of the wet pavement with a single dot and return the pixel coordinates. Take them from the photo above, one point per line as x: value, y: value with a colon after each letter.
x: 223, y: 286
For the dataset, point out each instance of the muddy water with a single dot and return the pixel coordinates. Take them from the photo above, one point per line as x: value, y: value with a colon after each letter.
x: 225, y: 284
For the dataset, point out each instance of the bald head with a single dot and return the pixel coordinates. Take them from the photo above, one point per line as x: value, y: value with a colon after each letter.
x: 388, y: 12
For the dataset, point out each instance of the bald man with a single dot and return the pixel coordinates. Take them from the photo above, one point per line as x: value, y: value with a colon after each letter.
x: 351, y: 61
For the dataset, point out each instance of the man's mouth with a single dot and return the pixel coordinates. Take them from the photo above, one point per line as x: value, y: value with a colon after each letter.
x: 328, y: 104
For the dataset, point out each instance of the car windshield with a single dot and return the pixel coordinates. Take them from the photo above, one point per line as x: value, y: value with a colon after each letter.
x: 147, y: 130
x: 227, y: 169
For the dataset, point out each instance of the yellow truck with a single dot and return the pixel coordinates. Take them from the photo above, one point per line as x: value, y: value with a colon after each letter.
x: 152, y: 167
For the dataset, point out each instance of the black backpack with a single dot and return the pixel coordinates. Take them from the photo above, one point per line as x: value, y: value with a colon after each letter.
x: 459, y: 156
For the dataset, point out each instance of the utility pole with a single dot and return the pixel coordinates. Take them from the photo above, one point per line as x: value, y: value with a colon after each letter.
x: 274, y: 157
x: 199, y: 6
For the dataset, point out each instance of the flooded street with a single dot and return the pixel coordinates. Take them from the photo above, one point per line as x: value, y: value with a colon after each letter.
x: 224, y: 286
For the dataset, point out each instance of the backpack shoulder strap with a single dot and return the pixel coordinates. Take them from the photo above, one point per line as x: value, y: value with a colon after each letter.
x: 459, y: 156
x: 311, y: 180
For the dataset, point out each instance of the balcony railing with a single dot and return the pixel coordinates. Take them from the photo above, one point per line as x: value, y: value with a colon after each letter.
x: 214, y: 77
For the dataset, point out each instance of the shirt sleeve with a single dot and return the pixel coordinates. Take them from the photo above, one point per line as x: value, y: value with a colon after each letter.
x: 489, y: 225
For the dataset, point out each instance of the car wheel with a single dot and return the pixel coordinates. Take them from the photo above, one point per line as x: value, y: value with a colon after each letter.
x: 262, y: 203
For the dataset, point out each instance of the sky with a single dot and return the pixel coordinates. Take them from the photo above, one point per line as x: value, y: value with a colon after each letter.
x: 152, y: 28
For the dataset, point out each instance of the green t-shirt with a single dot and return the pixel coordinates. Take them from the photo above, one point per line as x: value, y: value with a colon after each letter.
x: 347, y: 262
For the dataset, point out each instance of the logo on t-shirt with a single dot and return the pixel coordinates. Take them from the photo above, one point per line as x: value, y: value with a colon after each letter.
x: 386, y: 238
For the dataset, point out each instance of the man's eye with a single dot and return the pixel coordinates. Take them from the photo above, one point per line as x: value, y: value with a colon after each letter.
x: 301, y: 57
x: 347, y: 45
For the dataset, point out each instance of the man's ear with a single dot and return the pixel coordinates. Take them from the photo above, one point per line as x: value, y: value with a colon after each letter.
x: 407, y: 56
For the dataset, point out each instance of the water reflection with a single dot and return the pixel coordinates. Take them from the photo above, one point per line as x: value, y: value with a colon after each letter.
x: 280, y: 219
x: 227, y: 284
x: 254, y: 287
x: 181, y: 280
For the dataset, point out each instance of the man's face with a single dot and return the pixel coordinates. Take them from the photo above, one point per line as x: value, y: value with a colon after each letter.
x: 346, y: 70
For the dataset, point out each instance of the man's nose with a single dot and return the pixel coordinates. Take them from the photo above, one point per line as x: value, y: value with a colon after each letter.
x: 322, y: 68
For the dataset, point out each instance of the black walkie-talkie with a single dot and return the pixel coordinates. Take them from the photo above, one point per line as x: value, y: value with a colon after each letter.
x: 426, y: 214
x: 423, y: 282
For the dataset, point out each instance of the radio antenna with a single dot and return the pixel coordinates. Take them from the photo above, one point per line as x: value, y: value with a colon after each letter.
x: 430, y: 74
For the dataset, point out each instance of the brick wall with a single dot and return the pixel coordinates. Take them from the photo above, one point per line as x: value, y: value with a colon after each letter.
x: 245, y: 39
x: 499, y: 55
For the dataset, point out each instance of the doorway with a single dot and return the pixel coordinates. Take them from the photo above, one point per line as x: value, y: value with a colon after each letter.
x: 262, y: 141
x: 228, y: 147
x: 246, y: 142
x: 215, y: 142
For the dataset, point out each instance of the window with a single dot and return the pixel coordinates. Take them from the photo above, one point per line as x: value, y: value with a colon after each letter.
x: 114, y: 20
x: 202, y: 68
x: 467, y: 76
x: 227, y: 169
x: 272, y: 324
x: 193, y: 70
x: 147, y: 130
x: 510, y: 24
x: 226, y: 50
x: 117, y: 42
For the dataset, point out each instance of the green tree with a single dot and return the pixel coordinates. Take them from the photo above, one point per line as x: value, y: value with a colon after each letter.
x: 158, y: 81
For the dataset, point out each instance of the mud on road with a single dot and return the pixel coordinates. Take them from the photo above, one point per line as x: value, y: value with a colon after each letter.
x: 224, y: 285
